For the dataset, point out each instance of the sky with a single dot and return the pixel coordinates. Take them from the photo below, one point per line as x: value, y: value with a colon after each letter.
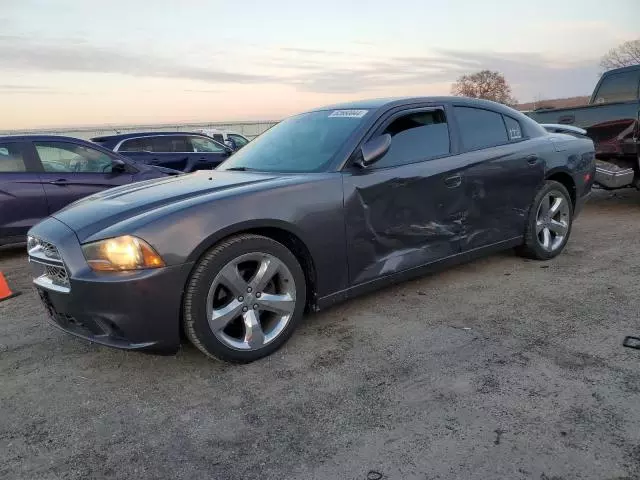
x: 118, y: 62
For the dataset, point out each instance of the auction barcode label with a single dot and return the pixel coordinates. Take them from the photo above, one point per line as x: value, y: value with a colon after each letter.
x: 349, y: 113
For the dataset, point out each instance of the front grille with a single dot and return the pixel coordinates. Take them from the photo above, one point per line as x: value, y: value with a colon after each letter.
x: 42, y: 249
x: 58, y: 275
x: 50, y: 251
x: 52, y: 273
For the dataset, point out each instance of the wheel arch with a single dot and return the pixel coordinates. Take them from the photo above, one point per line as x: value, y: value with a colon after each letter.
x: 281, y: 232
x: 564, y: 177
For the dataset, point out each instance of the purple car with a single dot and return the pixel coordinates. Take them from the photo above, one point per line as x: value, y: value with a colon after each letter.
x: 40, y: 174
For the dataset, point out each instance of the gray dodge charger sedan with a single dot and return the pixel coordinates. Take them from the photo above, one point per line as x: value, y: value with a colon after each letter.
x: 323, y: 206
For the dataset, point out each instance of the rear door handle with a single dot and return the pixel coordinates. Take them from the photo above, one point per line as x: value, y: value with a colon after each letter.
x: 60, y: 181
x: 453, y: 181
x: 532, y: 159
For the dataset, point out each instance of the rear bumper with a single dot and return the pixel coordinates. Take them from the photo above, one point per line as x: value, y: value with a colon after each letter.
x: 611, y: 176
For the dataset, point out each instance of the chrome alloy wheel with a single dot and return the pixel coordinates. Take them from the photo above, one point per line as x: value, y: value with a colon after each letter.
x: 552, y: 221
x: 251, y: 301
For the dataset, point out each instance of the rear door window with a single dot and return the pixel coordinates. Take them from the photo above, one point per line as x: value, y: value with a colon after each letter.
x: 171, y: 144
x: 480, y: 128
x: 619, y: 87
x: 11, y: 158
x: 137, y: 145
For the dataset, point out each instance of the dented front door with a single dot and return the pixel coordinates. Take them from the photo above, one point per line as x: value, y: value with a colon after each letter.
x: 402, y: 217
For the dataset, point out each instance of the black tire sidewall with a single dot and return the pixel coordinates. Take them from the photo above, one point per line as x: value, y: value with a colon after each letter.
x: 531, y: 240
x: 195, y: 315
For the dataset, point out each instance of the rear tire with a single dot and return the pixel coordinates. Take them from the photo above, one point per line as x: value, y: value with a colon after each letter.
x: 244, y: 299
x: 549, y: 223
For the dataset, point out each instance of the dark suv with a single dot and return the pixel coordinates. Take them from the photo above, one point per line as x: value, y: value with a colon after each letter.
x: 182, y: 151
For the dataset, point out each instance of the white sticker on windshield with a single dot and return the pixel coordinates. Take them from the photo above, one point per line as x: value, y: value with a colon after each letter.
x: 348, y: 113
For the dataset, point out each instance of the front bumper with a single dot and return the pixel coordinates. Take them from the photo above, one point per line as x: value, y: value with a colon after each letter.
x: 129, y: 310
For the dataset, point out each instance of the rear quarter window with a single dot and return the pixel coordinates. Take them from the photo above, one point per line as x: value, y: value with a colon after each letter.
x: 514, y: 130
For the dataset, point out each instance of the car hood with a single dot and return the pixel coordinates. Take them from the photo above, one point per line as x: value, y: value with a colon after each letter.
x: 96, y: 212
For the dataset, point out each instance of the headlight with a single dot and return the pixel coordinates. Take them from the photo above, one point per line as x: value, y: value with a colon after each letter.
x: 32, y: 242
x: 121, y: 253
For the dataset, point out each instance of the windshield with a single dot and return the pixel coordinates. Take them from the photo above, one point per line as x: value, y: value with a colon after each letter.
x: 303, y: 143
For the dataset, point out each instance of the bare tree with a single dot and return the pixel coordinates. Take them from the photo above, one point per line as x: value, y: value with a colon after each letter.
x: 622, y: 56
x: 484, y: 84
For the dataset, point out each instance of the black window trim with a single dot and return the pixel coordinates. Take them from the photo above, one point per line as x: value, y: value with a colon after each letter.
x: 464, y: 149
x: 386, y: 120
x: 34, y: 146
x: 186, y: 134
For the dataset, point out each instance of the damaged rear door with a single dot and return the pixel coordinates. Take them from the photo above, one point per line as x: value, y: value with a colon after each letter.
x: 502, y: 175
x: 407, y: 209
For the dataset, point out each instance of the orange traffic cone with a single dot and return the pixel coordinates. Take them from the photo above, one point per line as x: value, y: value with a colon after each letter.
x: 5, y: 291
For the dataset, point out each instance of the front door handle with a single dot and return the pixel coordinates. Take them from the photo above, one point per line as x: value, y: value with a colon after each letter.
x: 60, y: 181
x: 532, y: 159
x: 453, y: 181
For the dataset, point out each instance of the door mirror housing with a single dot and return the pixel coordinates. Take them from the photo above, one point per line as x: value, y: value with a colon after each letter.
x: 118, y: 165
x: 374, y: 150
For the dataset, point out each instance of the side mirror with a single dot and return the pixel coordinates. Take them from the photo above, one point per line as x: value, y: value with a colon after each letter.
x: 374, y: 150
x: 228, y: 150
x: 118, y: 165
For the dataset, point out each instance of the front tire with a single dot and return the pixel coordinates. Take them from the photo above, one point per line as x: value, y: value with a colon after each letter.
x: 244, y: 299
x: 549, y: 223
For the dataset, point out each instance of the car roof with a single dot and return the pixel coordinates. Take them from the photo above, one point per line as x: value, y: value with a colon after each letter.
x: 124, y: 136
x: 387, y: 103
x: 41, y: 138
x: 381, y: 105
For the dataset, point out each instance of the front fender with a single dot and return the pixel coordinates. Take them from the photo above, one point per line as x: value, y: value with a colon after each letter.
x: 312, y: 211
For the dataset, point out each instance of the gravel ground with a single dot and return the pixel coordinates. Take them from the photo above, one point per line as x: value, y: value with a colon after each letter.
x: 497, y: 369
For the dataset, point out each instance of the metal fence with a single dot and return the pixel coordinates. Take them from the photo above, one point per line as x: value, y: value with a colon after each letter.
x: 248, y: 129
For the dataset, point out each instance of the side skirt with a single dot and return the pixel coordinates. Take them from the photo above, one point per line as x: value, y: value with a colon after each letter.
x: 433, y: 267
